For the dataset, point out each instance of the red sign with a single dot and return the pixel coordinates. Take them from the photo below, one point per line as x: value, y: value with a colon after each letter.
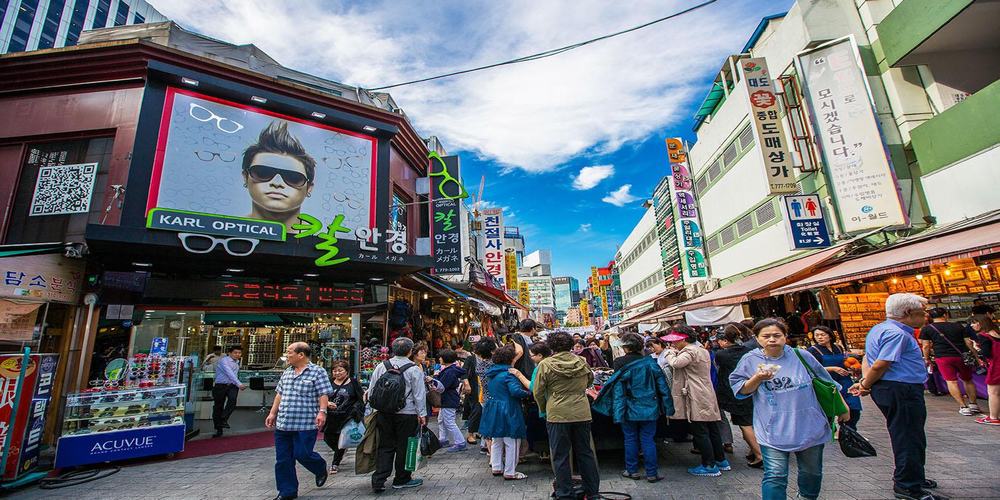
x: 763, y: 99
x: 35, y: 392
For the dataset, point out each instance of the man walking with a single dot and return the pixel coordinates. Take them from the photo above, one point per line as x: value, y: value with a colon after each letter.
x: 894, y: 375
x: 398, y: 393
x: 560, y: 389
x: 227, y: 387
x: 298, y: 412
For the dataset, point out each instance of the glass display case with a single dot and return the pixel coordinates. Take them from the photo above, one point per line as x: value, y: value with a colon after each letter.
x: 123, y: 409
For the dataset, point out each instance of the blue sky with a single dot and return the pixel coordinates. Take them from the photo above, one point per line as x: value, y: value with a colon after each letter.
x: 570, y: 145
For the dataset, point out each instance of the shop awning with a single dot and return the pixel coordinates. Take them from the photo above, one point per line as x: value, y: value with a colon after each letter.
x: 668, y: 292
x: 919, y: 252
x: 32, y: 249
x: 498, y: 295
x: 667, y: 313
x: 758, y: 284
x: 438, y: 286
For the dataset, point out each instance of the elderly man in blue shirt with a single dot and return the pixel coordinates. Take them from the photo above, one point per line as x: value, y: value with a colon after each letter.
x: 226, y: 389
x: 894, y: 374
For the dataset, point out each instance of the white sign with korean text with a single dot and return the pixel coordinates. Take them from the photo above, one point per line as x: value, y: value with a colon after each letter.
x: 854, y: 151
x: 43, y: 278
x: 765, y: 111
x: 493, y: 254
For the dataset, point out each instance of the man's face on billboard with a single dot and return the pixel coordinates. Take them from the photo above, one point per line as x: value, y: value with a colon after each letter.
x: 277, y: 183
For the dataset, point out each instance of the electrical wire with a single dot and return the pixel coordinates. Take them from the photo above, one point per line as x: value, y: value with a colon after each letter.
x: 76, y: 477
x: 552, y: 52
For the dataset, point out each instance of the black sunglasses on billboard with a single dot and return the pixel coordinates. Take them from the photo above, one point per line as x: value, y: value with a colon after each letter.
x: 263, y: 173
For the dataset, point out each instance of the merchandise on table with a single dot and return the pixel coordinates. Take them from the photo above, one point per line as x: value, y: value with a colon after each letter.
x: 122, y: 409
x: 859, y: 312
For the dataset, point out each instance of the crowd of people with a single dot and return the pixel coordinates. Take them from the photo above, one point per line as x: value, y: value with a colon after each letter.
x: 522, y: 397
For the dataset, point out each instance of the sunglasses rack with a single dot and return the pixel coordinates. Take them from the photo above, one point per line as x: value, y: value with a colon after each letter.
x: 262, y: 347
x: 113, y: 408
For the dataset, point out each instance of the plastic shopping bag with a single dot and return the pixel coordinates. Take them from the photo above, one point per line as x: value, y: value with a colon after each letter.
x: 412, y: 448
x: 429, y: 442
x: 351, y: 435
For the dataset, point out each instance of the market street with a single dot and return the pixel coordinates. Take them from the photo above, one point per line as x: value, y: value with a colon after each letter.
x: 961, y: 457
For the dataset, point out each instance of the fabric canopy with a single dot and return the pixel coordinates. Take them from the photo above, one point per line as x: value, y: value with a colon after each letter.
x: 669, y: 312
x: 714, y: 315
x: 920, y: 252
x: 761, y: 282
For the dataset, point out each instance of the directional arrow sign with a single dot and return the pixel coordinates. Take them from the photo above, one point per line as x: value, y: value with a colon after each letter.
x: 806, y: 221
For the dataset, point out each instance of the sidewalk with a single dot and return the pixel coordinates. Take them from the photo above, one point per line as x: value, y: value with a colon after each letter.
x: 962, y: 456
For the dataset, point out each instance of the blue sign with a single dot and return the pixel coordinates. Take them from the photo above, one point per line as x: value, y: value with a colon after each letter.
x: 82, y: 449
x: 807, y: 222
x: 159, y: 346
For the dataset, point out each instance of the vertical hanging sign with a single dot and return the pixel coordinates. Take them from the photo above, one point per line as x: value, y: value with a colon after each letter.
x: 493, y: 254
x: 768, y: 128
x: 446, y: 240
x: 510, y: 265
x: 686, y: 226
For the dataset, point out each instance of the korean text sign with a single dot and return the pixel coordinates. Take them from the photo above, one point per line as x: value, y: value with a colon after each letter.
x: 220, y: 157
x: 493, y: 254
x: 768, y: 127
x: 28, y: 423
x: 806, y: 221
x: 686, y: 225
x: 42, y: 277
x: 446, y: 217
x: 858, y: 164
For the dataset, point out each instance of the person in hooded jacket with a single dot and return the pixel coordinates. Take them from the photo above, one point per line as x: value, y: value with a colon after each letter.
x: 502, y: 419
x: 635, y: 397
x: 560, y: 391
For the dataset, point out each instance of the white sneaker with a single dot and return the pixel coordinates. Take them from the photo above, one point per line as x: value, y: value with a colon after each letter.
x: 974, y: 408
x: 965, y: 410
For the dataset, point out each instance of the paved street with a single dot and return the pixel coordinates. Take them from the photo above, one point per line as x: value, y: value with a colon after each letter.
x: 962, y: 457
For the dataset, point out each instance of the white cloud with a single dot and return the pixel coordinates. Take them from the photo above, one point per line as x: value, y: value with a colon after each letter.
x: 590, y: 177
x: 533, y: 116
x: 621, y: 196
x: 584, y: 228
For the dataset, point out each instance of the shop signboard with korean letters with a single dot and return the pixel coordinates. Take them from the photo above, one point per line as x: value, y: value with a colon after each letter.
x: 493, y: 254
x: 769, y: 130
x: 858, y: 164
x: 446, y: 215
x: 687, y: 224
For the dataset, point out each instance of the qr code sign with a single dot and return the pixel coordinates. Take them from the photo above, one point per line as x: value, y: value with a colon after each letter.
x: 64, y: 189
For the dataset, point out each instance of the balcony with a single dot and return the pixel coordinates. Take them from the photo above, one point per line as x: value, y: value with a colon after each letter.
x: 913, y: 23
x: 960, y: 131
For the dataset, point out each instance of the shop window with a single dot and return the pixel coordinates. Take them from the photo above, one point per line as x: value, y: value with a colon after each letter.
x: 26, y: 228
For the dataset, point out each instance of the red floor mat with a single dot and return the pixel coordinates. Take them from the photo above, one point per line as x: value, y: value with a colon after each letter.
x: 216, y: 446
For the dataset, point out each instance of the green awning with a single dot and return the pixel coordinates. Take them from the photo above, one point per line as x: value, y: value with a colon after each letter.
x: 31, y: 249
x: 240, y: 318
x: 712, y: 100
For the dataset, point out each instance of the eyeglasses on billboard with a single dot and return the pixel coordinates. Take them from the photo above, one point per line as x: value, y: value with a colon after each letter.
x: 462, y: 193
x: 203, y: 243
x: 204, y: 114
x: 264, y: 173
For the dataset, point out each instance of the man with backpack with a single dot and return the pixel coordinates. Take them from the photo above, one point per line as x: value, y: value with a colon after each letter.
x: 397, y: 392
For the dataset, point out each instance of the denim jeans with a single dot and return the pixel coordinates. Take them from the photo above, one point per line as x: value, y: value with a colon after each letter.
x: 775, y: 483
x: 289, y: 447
x: 640, y: 434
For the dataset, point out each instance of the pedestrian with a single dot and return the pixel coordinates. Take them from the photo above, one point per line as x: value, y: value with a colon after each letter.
x: 893, y: 372
x: 950, y: 342
x: 740, y: 409
x: 525, y: 364
x: 832, y: 357
x: 346, y: 404
x: 503, y: 420
x: 401, y: 403
x: 787, y: 416
x: 694, y: 399
x: 484, y: 361
x: 299, y: 410
x: 451, y: 376
x: 212, y: 358
x: 226, y: 389
x: 636, y: 396
x: 560, y: 390
x: 989, y: 340
x: 658, y: 351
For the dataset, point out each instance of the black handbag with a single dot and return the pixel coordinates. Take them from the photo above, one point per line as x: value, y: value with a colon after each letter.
x: 853, y: 444
x: 968, y: 358
x: 429, y: 442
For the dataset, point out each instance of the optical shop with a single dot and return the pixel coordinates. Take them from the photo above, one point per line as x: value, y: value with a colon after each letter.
x: 262, y: 226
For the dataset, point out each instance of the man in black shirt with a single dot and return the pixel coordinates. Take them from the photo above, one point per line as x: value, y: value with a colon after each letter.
x: 949, y: 341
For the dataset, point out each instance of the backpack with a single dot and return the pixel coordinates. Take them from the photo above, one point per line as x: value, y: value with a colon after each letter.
x: 388, y: 395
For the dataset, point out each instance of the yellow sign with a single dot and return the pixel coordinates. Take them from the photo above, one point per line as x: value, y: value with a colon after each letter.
x: 675, y: 148
x: 585, y: 312
x: 510, y: 268
x: 522, y: 293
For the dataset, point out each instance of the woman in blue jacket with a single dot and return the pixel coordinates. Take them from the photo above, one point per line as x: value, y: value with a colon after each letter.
x: 502, y: 418
x: 635, y: 397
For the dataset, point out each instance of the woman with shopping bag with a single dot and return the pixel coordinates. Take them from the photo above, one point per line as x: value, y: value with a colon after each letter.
x: 344, y: 413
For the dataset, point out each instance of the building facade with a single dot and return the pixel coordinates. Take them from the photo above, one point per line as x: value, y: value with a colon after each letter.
x: 566, y: 290
x: 639, y: 262
x: 46, y: 24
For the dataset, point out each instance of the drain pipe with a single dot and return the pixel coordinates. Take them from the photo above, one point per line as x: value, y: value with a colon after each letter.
x: 91, y: 300
x: 834, y: 217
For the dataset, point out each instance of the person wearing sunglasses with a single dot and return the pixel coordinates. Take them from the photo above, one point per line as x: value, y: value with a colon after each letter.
x: 278, y: 174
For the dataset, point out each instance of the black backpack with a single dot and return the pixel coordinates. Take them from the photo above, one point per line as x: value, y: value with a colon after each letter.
x: 388, y: 395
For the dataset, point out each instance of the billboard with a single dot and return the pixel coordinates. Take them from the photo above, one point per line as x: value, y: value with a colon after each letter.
x: 224, y: 158
x: 765, y: 112
x: 858, y: 164
x: 510, y: 264
x: 493, y: 254
x: 446, y: 214
x: 687, y: 226
x: 27, y: 425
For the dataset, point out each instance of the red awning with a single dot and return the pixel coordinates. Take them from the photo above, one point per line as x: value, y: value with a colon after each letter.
x: 922, y: 251
x: 758, y: 284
